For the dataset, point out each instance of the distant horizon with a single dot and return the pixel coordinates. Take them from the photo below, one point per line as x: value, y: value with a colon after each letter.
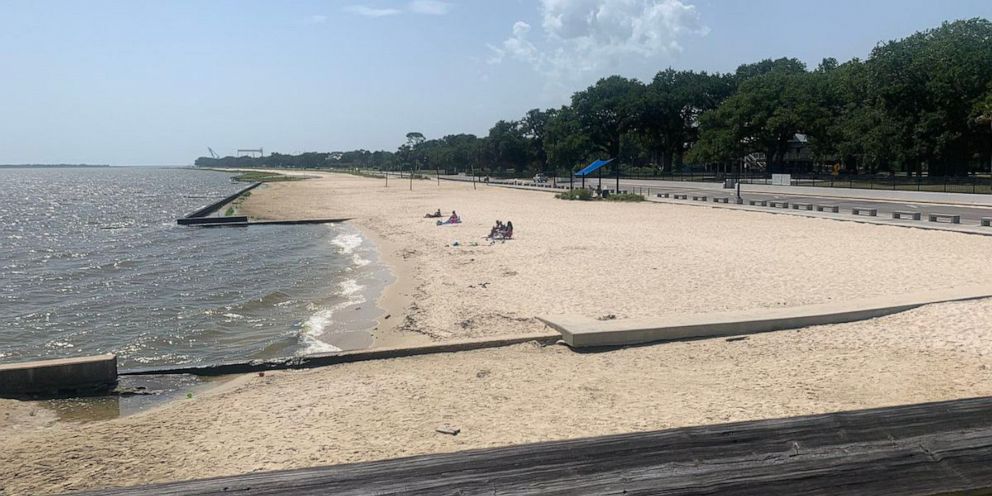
x: 170, y: 80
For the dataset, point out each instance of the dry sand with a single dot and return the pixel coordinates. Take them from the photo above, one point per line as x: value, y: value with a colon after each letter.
x: 524, y: 393
x: 594, y: 259
x: 586, y: 259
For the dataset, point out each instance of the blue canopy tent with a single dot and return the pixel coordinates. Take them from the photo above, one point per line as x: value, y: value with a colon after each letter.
x: 597, y: 166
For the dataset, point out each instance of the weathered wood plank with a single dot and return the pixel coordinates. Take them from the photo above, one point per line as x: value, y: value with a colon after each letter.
x: 932, y: 448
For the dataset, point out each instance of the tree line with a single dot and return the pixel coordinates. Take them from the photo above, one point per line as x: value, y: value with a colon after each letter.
x: 918, y: 105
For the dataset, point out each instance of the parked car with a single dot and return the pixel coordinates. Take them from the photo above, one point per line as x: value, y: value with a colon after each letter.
x: 540, y: 178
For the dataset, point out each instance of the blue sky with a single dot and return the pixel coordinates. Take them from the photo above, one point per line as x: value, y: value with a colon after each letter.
x: 156, y: 82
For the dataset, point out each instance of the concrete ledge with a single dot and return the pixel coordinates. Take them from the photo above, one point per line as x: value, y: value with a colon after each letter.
x: 583, y: 332
x: 326, y: 359
x: 91, y: 373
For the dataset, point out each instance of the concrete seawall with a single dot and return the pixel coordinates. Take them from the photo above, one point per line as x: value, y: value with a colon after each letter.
x: 326, y: 359
x: 67, y: 375
x: 215, y: 206
x: 196, y: 221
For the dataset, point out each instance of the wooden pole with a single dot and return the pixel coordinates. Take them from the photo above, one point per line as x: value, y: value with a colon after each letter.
x: 618, y: 178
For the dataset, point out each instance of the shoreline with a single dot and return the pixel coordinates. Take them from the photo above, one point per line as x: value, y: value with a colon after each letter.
x: 396, y: 297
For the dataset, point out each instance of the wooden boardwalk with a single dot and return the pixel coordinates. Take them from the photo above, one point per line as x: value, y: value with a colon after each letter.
x: 934, y: 448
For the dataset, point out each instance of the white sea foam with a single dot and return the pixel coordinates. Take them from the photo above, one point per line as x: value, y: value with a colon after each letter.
x: 313, y: 328
x: 316, y: 325
x: 350, y: 287
x: 347, y: 242
x: 359, y: 261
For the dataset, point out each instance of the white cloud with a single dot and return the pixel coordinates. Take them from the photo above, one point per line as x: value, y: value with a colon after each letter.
x: 316, y: 19
x: 583, y: 36
x: 365, y: 10
x: 517, y: 46
x: 430, y: 7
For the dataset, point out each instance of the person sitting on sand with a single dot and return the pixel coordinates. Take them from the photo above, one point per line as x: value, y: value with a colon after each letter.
x: 496, y: 229
x: 454, y: 219
x: 435, y: 215
x: 501, y: 231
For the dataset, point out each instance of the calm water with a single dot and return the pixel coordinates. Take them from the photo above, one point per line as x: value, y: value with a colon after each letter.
x: 91, y: 261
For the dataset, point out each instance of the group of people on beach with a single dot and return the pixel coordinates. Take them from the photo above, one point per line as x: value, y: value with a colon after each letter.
x: 501, y: 231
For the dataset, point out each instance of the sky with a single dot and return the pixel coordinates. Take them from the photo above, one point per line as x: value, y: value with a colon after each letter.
x: 156, y: 82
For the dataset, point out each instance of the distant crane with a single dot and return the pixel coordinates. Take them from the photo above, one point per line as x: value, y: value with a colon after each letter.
x: 212, y: 154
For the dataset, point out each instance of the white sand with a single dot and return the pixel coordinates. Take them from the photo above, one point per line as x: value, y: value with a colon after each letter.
x: 586, y: 259
x: 525, y: 393
x: 630, y: 260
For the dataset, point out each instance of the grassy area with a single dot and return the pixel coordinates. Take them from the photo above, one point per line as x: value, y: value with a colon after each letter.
x: 625, y: 197
x: 264, y: 177
x: 581, y: 194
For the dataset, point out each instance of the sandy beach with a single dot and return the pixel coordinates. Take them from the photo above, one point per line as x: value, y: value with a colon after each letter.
x: 586, y: 259
x: 595, y: 259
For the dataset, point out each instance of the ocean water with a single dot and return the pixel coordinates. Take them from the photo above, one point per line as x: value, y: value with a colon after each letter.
x: 92, y: 261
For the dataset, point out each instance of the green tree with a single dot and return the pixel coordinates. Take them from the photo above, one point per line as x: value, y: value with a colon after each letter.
x: 927, y: 86
x: 667, y: 112
x: 566, y: 145
x: 507, y: 146
x: 764, y: 115
x: 603, y: 112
